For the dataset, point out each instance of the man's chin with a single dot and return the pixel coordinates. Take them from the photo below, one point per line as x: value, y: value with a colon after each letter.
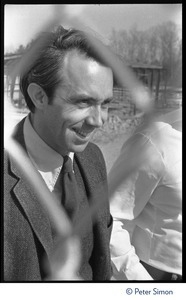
x: 79, y: 147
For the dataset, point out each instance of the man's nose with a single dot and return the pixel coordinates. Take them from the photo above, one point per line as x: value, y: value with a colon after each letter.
x: 97, y: 116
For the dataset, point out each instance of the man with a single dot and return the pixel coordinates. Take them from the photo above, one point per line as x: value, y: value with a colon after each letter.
x: 147, y: 202
x: 67, y: 90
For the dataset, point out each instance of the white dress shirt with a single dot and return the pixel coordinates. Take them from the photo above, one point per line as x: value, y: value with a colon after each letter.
x: 147, y: 205
x: 45, y: 159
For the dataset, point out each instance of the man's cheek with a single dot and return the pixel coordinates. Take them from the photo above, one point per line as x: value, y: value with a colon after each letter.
x: 79, y: 115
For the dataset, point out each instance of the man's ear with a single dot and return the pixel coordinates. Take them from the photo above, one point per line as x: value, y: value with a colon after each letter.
x: 38, y: 95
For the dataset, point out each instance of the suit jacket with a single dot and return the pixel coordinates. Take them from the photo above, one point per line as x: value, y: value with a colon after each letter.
x: 27, y: 228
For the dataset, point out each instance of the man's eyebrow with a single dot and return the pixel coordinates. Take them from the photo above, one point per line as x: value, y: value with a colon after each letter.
x: 82, y: 97
x: 89, y: 99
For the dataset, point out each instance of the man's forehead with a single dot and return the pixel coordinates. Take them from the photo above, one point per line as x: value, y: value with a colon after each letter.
x: 84, y: 75
x: 76, y: 58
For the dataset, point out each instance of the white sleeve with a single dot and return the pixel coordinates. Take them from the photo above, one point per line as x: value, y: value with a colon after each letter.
x: 125, y: 262
x: 132, y: 180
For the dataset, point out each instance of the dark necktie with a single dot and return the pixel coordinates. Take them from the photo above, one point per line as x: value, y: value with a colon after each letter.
x: 69, y: 188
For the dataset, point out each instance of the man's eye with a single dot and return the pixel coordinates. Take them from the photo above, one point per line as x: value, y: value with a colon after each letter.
x: 83, y: 104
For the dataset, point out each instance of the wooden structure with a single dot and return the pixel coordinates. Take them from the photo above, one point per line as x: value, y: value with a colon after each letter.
x: 11, y: 85
x: 151, y: 76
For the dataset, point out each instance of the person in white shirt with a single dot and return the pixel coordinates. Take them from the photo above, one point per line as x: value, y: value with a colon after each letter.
x: 145, y: 187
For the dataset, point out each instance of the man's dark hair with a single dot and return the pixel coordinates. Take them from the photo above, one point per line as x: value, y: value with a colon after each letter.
x: 44, y: 70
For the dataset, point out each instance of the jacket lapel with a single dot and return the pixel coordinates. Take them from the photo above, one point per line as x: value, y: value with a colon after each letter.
x: 94, y: 174
x: 36, y: 215
x: 26, y: 196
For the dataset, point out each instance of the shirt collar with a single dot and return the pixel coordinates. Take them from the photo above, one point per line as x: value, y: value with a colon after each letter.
x: 44, y: 157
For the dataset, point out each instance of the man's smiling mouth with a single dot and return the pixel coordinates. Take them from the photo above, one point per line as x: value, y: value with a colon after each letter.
x: 81, y: 133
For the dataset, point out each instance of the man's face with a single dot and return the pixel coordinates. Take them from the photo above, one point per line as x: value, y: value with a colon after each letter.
x: 79, y: 106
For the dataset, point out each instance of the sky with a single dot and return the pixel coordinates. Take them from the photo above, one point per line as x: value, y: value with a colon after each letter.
x: 23, y: 22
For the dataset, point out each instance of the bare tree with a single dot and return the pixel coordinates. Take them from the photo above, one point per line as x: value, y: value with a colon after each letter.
x: 160, y: 45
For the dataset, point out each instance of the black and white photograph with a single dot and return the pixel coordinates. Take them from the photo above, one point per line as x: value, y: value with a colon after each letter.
x: 93, y: 147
